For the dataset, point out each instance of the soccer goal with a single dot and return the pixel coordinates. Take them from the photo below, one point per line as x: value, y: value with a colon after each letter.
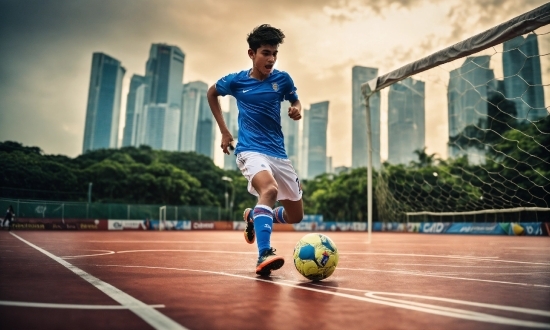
x: 468, y: 130
x: 162, y: 217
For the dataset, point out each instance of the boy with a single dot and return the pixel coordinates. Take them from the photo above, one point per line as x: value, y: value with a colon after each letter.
x: 260, y: 150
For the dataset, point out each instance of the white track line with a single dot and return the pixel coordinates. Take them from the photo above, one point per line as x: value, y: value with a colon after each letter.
x: 450, y: 256
x: 494, y: 259
x: 405, y: 272
x: 426, y: 308
x: 401, y: 272
x: 194, y: 251
x: 539, y: 312
x: 461, y: 265
x: 150, y: 315
x: 472, y: 258
x: 90, y: 255
x: 167, y: 242
x: 66, y: 306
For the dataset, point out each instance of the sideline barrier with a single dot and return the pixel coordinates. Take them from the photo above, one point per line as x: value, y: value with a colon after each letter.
x: 495, y: 228
x: 468, y: 228
x: 59, y: 224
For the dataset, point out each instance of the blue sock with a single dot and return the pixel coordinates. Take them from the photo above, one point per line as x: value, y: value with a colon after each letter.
x: 263, y: 222
x: 278, y: 215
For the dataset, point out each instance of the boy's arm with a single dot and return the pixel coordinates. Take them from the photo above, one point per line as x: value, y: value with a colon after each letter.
x: 295, y: 110
x: 214, y: 103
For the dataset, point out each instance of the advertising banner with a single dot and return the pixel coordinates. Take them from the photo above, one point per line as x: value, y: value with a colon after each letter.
x: 128, y: 224
x: 59, y: 224
x: 342, y: 226
x: 170, y: 225
x: 212, y: 225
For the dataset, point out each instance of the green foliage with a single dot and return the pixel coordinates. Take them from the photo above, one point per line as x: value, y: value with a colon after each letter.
x: 127, y: 175
x: 338, y: 197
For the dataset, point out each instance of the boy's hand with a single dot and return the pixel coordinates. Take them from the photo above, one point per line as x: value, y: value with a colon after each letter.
x: 227, y: 143
x: 295, y: 113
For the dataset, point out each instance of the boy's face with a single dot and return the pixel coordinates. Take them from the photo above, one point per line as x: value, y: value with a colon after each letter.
x: 264, y: 58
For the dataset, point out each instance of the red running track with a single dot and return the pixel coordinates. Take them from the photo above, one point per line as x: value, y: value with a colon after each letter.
x: 206, y: 280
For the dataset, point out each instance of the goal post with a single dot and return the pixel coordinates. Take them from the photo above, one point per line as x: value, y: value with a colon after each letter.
x: 162, y: 217
x: 488, y: 93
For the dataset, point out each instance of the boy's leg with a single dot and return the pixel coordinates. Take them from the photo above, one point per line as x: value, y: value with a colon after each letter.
x: 266, y: 186
x: 263, y: 224
x: 289, y: 212
x: 289, y: 193
x: 256, y: 168
x: 248, y: 217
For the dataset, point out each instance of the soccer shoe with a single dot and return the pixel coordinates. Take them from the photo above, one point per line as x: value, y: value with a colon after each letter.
x: 268, y: 261
x: 249, y: 235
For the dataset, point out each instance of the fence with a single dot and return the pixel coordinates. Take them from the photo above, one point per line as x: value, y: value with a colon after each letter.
x: 80, y: 210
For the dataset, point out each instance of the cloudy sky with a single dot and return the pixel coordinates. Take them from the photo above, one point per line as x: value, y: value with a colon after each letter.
x: 47, y: 45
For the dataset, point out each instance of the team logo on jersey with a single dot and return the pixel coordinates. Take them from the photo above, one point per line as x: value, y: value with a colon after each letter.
x: 275, y: 86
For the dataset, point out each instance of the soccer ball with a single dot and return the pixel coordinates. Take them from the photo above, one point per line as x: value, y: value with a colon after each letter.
x: 315, y: 256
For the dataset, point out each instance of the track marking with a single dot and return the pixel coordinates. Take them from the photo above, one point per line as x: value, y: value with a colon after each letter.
x: 459, y: 266
x: 194, y: 251
x: 539, y: 312
x: 450, y: 256
x: 373, y: 297
x: 402, y: 272
x: 150, y: 315
x: 167, y: 242
x: 66, y: 306
x: 352, y: 253
x: 90, y: 255
x: 494, y: 259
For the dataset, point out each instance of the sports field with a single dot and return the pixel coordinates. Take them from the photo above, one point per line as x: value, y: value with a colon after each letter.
x: 206, y: 280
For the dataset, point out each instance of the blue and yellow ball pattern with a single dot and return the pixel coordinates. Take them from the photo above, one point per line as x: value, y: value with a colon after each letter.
x: 315, y: 256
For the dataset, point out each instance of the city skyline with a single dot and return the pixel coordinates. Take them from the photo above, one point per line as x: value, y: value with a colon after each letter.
x: 45, y: 62
x: 150, y: 96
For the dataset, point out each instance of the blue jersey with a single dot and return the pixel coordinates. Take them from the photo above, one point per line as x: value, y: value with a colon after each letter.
x: 259, y: 104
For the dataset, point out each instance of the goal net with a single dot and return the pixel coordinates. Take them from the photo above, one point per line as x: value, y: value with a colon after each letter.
x: 468, y: 130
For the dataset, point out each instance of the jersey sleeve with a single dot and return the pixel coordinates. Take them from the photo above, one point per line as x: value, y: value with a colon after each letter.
x: 290, y: 91
x: 223, y: 86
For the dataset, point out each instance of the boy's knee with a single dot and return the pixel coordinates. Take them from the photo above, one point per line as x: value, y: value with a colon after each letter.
x: 271, y: 192
x: 294, y: 218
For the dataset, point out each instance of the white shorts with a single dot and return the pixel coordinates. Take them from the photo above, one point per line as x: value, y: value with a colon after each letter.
x: 250, y: 163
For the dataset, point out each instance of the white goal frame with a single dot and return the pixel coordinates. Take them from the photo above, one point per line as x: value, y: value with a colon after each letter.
x: 162, y: 217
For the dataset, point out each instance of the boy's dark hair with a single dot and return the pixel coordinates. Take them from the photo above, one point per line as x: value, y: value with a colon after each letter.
x: 264, y: 34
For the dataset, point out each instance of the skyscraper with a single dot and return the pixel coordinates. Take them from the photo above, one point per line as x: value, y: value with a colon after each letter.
x: 291, y: 132
x: 406, y: 128
x: 469, y: 88
x: 317, y: 150
x: 193, y: 99
x: 162, y: 113
x: 103, y: 109
x: 134, y: 110
x: 304, y: 145
x: 231, y: 120
x: 359, y: 155
x: 522, y: 77
x: 206, y: 129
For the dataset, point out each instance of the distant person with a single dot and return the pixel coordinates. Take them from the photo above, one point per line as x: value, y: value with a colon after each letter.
x: 10, y: 215
x: 260, y: 150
